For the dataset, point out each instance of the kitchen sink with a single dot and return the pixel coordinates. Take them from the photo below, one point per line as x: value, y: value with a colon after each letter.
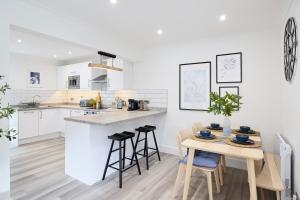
x: 32, y: 106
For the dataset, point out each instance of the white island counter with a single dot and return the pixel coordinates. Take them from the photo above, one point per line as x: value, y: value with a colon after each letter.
x: 87, y: 145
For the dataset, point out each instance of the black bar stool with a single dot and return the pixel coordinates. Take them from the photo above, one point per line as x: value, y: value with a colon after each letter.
x: 146, y: 129
x: 121, y: 137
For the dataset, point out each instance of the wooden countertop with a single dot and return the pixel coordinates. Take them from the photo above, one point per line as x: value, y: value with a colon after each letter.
x: 110, y: 116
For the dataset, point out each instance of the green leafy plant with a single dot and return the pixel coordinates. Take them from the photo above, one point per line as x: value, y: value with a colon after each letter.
x: 92, y: 102
x: 6, y: 112
x: 225, y: 105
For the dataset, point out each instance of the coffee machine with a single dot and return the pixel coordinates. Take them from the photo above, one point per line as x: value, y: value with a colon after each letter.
x: 133, y: 104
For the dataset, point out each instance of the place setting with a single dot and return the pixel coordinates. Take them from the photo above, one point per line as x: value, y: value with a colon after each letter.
x: 246, y: 130
x: 242, y: 140
x: 215, y: 127
x: 207, y: 136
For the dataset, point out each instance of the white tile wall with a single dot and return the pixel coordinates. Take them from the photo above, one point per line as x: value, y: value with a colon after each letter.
x: 46, y: 96
x: 157, y: 98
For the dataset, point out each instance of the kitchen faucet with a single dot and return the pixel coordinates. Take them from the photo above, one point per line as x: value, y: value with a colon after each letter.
x: 33, y: 98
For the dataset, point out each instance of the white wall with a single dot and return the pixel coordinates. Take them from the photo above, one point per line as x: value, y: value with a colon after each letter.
x: 20, y: 67
x: 291, y: 100
x: 4, y: 62
x: 260, y: 88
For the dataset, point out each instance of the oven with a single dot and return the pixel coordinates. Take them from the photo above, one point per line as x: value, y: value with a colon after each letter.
x: 74, y: 82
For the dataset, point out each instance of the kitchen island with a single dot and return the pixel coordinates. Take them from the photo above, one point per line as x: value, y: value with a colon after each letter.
x: 87, y: 145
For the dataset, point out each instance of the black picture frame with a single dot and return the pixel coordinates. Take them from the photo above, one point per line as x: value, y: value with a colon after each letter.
x: 180, y: 82
x: 241, y: 68
x: 229, y: 87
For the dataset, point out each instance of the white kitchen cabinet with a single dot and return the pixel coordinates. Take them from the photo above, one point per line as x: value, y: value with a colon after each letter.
x: 28, y: 125
x: 116, y: 79
x: 62, y: 78
x: 82, y: 69
x: 61, y: 116
x: 48, y: 121
x: 76, y: 113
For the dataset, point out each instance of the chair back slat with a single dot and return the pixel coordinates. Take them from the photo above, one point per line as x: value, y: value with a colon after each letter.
x: 182, y: 136
x: 197, y: 127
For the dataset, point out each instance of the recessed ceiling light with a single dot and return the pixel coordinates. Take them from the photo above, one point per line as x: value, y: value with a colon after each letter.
x: 70, y: 52
x: 113, y: 1
x: 159, y: 32
x: 19, y: 41
x: 54, y: 56
x: 222, y: 18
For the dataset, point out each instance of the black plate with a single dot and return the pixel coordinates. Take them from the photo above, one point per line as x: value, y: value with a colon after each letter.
x: 211, y: 137
x: 215, y: 129
x: 248, y: 142
x: 249, y: 132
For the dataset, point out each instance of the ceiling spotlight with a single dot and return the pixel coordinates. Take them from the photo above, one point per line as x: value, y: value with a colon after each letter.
x: 70, y: 52
x: 19, y: 41
x: 159, y: 32
x: 113, y: 1
x: 54, y: 56
x: 222, y: 18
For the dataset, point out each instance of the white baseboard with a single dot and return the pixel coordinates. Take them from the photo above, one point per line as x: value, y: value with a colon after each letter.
x: 230, y: 161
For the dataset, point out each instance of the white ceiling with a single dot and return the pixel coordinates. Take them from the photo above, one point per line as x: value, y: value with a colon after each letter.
x: 46, y: 47
x: 137, y: 20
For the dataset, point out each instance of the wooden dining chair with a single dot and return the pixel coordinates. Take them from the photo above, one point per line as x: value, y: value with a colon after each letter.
x: 198, y: 164
x: 198, y: 127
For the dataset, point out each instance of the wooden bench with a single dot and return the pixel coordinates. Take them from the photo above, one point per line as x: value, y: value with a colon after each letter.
x: 269, y: 176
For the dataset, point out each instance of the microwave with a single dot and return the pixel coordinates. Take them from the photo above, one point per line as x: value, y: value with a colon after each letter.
x: 74, y: 82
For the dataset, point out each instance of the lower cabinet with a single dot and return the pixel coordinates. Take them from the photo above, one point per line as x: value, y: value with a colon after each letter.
x: 75, y: 113
x: 28, y: 124
x: 48, y: 121
x: 41, y: 122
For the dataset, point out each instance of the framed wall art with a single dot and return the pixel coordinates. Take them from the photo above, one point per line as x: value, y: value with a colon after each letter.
x: 229, y: 68
x: 229, y: 89
x: 34, y: 79
x: 194, y: 86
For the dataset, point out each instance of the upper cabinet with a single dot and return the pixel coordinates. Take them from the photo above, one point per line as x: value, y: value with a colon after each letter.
x: 89, y: 78
x: 66, y: 73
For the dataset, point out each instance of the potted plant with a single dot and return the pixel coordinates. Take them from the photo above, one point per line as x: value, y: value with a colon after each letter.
x: 92, y: 102
x: 225, y: 106
x: 5, y: 113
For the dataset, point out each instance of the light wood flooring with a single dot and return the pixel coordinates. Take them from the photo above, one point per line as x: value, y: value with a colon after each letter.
x: 37, y: 172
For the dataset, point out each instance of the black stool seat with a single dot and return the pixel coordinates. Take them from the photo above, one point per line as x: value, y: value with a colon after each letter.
x: 146, y: 129
x: 143, y: 129
x: 150, y: 127
x: 121, y: 138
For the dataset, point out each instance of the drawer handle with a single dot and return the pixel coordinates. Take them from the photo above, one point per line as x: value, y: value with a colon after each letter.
x: 28, y: 112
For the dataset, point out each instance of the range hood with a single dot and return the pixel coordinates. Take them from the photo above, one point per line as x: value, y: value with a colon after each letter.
x: 99, y: 76
x: 103, y: 64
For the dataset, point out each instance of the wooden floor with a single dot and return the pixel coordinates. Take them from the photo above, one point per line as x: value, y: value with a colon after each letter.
x: 37, y: 172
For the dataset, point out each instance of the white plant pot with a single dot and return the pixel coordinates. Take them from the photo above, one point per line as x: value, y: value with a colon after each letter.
x: 226, y: 127
x: 4, y: 169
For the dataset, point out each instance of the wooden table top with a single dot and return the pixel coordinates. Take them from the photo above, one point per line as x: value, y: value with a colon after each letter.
x: 225, y: 149
x: 220, y: 134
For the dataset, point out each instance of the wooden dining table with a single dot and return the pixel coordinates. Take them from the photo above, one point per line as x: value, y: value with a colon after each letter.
x: 249, y: 154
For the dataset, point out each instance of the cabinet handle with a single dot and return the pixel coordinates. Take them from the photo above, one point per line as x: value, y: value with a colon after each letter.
x: 41, y: 116
x: 66, y: 84
x: 28, y: 112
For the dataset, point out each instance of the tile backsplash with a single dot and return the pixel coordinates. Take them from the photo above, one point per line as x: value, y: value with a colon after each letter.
x: 45, y: 96
x: 157, y: 97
